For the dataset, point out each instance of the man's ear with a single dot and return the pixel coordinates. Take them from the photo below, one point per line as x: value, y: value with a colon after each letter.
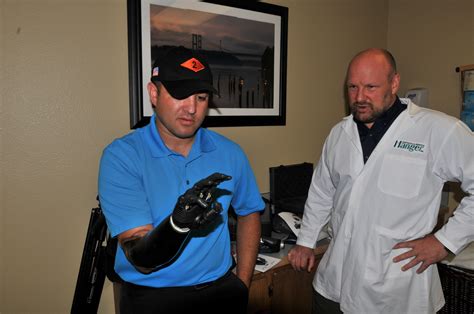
x: 152, y: 93
x: 395, y: 83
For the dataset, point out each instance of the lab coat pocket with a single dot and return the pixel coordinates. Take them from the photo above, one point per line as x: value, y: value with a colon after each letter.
x: 380, y: 265
x: 401, y: 176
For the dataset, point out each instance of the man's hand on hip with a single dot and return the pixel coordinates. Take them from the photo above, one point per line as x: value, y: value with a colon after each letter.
x: 427, y: 250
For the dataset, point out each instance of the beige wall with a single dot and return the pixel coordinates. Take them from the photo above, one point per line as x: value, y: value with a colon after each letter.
x: 430, y: 38
x: 2, y: 194
x: 64, y: 95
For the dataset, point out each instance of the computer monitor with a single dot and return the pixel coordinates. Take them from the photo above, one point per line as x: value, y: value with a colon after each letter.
x: 289, y: 185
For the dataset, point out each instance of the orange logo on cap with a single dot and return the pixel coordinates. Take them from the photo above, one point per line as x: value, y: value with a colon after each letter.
x: 193, y: 64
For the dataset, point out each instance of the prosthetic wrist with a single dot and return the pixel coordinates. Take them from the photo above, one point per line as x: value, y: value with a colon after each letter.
x: 180, y: 230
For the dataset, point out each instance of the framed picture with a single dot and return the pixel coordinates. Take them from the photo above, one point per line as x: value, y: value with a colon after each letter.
x: 245, y: 44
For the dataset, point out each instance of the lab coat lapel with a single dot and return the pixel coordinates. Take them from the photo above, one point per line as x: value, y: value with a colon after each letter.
x: 350, y: 128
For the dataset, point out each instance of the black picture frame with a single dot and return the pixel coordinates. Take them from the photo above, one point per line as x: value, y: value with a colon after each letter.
x: 262, y: 103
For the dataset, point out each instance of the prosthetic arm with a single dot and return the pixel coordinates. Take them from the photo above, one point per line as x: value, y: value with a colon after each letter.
x: 195, y: 209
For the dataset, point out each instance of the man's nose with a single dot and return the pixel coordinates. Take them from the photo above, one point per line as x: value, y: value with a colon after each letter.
x: 360, y: 96
x: 190, y: 104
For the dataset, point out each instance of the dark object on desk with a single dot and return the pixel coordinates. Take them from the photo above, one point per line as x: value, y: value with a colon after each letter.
x: 269, y: 245
x: 289, y: 185
x: 261, y: 261
x: 458, y: 289
x: 266, y: 219
x: 281, y: 226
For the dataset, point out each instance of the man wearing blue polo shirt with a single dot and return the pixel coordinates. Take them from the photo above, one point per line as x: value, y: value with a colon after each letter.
x: 166, y: 189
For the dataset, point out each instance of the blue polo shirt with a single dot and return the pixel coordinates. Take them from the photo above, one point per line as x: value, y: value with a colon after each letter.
x: 140, y: 180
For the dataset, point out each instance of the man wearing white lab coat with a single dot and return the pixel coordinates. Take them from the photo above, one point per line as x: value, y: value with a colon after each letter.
x: 378, y: 183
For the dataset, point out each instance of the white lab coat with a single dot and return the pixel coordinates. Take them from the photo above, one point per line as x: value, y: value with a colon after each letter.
x: 394, y: 197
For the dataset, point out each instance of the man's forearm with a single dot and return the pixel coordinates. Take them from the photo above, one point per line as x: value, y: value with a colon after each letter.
x: 248, y: 239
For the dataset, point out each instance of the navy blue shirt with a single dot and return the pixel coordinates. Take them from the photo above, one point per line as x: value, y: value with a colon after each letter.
x: 369, y: 138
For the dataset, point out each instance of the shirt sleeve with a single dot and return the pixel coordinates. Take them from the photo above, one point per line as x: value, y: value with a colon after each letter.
x: 319, y: 204
x: 456, y: 163
x: 121, y: 192
x: 247, y: 198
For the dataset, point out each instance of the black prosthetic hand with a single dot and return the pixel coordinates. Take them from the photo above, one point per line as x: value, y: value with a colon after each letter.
x: 198, y: 206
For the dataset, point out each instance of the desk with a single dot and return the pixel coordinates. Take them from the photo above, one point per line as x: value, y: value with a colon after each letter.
x: 282, y: 290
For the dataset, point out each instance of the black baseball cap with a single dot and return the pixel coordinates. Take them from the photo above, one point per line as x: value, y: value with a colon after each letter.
x: 183, y: 72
